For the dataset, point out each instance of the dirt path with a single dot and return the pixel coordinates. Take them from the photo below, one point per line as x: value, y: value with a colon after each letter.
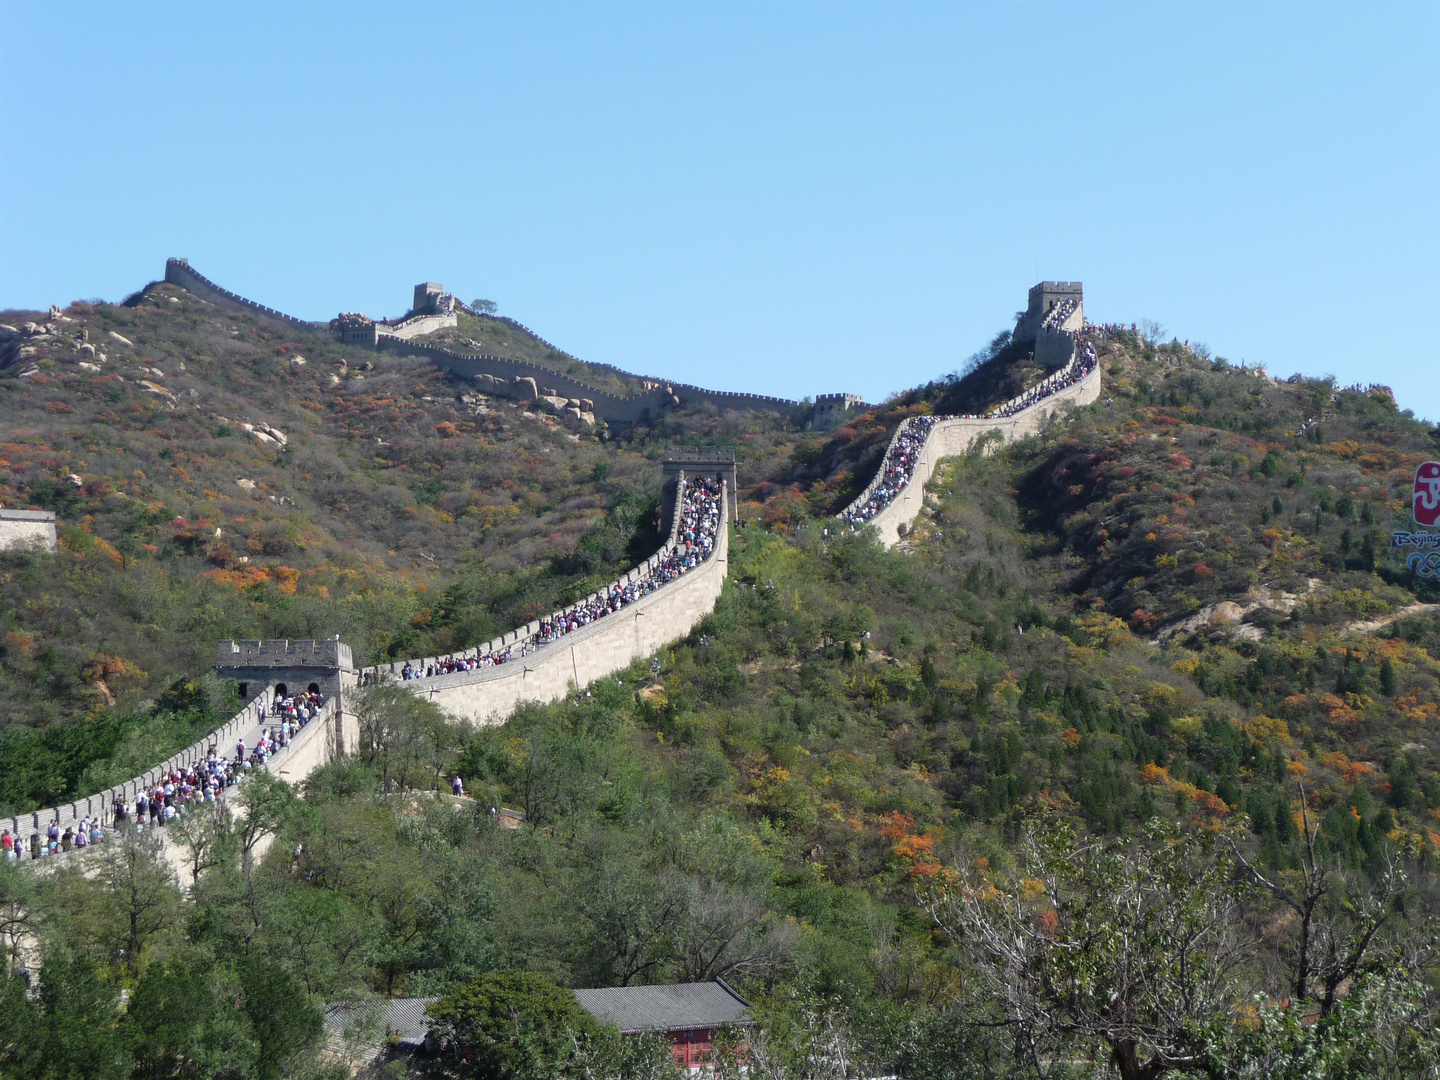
x: 1369, y: 626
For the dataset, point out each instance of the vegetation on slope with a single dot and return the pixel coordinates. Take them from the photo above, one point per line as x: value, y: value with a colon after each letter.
x: 396, y: 507
x: 867, y: 768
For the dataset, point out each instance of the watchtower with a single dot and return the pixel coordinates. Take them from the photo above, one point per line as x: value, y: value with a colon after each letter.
x: 356, y: 329
x: 286, y: 666
x: 432, y: 299
x: 830, y: 409
x: 1044, y: 299
x: 717, y: 462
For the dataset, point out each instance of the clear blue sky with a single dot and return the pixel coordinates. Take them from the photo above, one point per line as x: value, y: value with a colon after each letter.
x: 785, y: 198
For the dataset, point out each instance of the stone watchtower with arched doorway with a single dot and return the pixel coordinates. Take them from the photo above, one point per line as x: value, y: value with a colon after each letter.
x: 281, y: 667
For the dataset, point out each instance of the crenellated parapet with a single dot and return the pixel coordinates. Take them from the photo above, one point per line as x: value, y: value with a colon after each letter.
x: 434, y: 309
x: 179, y: 272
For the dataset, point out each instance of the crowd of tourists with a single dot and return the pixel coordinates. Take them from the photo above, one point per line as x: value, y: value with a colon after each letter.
x: 1058, y: 314
x: 298, y: 708
x: 179, y: 790
x: 909, y: 440
x: 896, y: 469
x: 701, y: 512
x: 1079, y: 367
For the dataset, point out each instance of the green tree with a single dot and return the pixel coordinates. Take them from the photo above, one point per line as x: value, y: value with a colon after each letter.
x: 80, y: 1036
x: 404, y: 739
x: 1131, y: 946
x: 514, y: 1025
x: 184, y: 1020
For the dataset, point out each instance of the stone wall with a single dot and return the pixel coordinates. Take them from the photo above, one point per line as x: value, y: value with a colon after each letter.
x: 604, y: 647
x: 955, y: 436
x: 1054, y: 348
x: 416, y: 326
x: 636, y: 408
x: 27, y: 528
x: 314, y: 745
x: 178, y: 272
x: 102, y: 803
x: 610, y: 644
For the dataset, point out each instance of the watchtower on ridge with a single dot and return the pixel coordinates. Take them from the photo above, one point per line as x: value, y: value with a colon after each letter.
x: 1044, y: 299
x: 432, y: 299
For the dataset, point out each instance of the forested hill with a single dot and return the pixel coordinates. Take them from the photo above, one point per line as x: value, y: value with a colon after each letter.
x: 1170, y: 621
x: 219, y: 474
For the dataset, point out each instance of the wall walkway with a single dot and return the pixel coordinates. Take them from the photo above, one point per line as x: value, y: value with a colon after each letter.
x: 956, y: 435
x: 311, y: 747
x: 395, y: 338
x: 605, y: 646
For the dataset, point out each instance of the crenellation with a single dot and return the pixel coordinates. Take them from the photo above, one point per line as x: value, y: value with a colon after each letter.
x: 433, y: 309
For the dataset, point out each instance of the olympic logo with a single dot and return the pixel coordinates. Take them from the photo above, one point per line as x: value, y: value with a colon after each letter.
x: 1425, y: 563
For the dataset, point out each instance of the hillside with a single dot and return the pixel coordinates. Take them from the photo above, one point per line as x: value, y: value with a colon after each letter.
x: 218, y: 474
x: 1168, y: 623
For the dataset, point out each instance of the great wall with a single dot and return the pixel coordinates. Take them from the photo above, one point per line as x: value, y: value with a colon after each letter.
x: 556, y: 668
x: 507, y: 377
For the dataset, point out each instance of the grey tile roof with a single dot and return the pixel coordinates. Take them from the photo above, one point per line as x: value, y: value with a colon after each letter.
x: 404, y: 1016
x: 666, y: 1008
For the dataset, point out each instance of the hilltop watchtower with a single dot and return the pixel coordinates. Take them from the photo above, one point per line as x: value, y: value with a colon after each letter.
x: 432, y: 299
x: 1046, y: 299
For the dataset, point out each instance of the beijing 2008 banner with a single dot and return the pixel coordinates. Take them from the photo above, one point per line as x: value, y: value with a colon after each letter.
x: 1425, y: 509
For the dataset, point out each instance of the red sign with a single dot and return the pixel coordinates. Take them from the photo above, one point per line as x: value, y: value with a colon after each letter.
x: 1427, y: 494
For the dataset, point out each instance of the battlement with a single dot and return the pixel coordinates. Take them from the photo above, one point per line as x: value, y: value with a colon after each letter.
x: 435, y: 309
x: 180, y: 272
x: 307, y: 654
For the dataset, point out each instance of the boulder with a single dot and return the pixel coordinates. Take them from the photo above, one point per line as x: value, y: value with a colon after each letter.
x: 87, y: 350
x: 88, y: 367
x: 248, y: 485
x: 557, y: 403
x: 525, y: 382
x: 74, y: 480
x: 297, y: 361
x: 1226, y: 612
x: 121, y: 339
x: 573, y: 412
x: 586, y: 405
x: 587, y: 417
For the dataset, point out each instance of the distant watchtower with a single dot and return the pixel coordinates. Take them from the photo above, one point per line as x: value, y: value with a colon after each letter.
x: 432, y: 299
x: 830, y: 409
x: 1046, y: 299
